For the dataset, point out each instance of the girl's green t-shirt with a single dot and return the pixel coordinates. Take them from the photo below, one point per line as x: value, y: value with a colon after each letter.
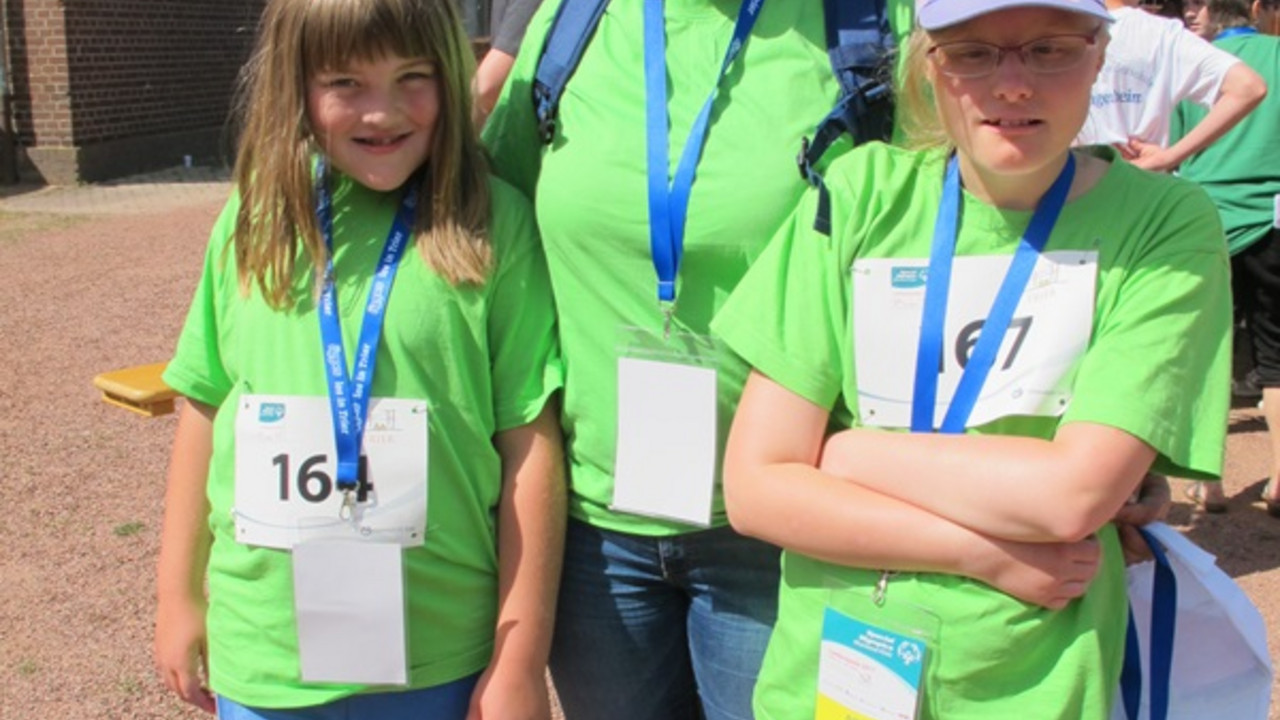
x: 484, y: 358
x: 1156, y: 366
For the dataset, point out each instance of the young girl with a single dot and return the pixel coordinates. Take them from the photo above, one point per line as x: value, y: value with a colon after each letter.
x: 1039, y: 389
x: 367, y: 470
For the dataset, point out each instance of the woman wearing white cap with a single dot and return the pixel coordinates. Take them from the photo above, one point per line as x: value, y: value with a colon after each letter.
x: 1072, y: 332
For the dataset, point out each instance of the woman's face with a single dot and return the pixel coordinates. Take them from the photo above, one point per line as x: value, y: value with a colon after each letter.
x: 1016, y: 121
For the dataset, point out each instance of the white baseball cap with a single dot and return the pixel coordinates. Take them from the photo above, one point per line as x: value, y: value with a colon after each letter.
x: 938, y: 14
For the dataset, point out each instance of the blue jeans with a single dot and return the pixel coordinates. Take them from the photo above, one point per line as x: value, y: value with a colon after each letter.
x: 662, y: 628
x: 439, y: 702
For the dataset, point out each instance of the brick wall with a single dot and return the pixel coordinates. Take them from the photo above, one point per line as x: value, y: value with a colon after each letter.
x: 141, y: 67
x: 38, y: 72
x: 93, y: 80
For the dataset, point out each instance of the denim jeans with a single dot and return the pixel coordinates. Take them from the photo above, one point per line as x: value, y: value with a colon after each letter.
x: 662, y: 628
x: 440, y: 702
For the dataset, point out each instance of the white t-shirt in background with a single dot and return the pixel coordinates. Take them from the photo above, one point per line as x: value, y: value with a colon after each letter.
x: 1153, y: 63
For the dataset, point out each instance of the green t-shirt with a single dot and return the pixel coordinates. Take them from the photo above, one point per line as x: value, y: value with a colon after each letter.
x: 590, y: 186
x: 1156, y: 366
x: 484, y: 358
x: 1241, y: 169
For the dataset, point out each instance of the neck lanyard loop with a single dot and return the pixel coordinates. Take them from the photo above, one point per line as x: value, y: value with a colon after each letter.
x: 349, y: 394
x: 929, y: 355
x: 669, y: 202
x: 1232, y: 32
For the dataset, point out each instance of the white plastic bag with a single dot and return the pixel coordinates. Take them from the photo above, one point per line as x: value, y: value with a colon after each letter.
x: 1220, y: 667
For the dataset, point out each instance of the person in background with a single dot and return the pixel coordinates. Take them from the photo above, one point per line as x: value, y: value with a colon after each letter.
x: 1043, y: 387
x: 508, y: 20
x: 1154, y: 63
x: 1266, y: 15
x: 1241, y: 173
x: 1195, y: 15
x: 1164, y: 8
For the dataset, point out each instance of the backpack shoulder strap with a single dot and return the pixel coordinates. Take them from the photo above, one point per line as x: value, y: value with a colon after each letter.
x: 574, y: 24
x: 861, y: 48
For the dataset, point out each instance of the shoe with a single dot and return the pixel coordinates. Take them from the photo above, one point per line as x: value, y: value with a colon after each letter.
x: 1247, y: 387
x: 1273, y: 505
x: 1197, y: 493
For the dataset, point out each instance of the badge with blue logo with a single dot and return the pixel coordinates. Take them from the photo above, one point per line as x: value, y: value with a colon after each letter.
x: 867, y: 672
x: 270, y: 413
x: 908, y: 277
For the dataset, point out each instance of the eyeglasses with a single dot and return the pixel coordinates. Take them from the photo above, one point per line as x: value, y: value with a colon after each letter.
x: 1051, y: 54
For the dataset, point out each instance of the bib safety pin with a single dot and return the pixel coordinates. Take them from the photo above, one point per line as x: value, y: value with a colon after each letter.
x: 348, y: 509
x: 882, y: 587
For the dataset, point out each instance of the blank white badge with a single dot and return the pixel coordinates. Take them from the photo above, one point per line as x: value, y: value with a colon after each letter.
x: 349, y: 600
x: 666, y: 450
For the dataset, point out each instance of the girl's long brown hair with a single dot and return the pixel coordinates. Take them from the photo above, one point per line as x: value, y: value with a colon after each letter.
x: 273, y: 172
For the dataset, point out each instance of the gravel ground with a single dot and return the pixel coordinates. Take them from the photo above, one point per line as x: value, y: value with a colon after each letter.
x: 98, y: 278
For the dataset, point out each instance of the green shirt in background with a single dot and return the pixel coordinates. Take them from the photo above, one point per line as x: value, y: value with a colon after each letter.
x: 1156, y: 367
x: 1241, y: 169
x: 590, y: 190
x: 483, y: 357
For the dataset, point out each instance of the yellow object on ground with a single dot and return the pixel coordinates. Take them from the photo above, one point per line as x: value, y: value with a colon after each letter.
x: 138, y: 388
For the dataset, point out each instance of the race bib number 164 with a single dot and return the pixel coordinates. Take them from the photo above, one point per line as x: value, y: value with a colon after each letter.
x: 286, y: 483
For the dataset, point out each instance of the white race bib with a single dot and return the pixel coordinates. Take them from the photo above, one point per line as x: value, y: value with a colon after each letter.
x: 1035, y: 366
x: 285, y: 483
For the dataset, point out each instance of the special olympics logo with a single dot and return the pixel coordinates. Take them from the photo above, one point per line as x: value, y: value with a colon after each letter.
x: 909, y: 652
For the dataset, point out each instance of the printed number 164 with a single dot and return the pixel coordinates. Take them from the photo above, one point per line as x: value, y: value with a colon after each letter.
x: 313, y: 483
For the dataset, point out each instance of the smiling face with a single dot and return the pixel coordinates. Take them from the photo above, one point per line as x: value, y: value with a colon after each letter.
x: 1015, y: 126
x: 375, y: 119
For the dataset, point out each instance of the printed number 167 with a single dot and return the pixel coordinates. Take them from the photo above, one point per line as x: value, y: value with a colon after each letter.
x: 968, y: 337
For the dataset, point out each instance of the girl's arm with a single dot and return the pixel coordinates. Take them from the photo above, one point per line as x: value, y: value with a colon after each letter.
x: 531, y: 523
x: 1011, y: 487
x: 180, y: 645
x: 774, y: 490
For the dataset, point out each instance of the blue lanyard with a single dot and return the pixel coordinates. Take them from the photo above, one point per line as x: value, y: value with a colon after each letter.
x: 929, y: 354
x: 669, y: 202
x: 349, y: 394
x: 1164, y: 616
x: 1231, y: 32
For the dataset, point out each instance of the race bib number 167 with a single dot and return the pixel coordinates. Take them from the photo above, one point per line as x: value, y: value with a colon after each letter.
x: 1034, y: 367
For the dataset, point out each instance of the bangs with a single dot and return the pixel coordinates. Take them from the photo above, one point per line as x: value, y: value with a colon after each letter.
x: 336, y: 33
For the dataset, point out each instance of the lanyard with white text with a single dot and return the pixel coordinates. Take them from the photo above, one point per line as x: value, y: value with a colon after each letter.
x: 929, y: 355
x: 1232, y: 32
x: 669, y: 202
x: 349, y: 394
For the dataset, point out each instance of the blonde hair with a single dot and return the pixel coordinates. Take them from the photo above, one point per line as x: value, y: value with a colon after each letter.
x: 917, y: 111
x: 273, y: 173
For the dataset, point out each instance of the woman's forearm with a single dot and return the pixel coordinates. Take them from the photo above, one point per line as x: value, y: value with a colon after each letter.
x: 1010, y: 487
